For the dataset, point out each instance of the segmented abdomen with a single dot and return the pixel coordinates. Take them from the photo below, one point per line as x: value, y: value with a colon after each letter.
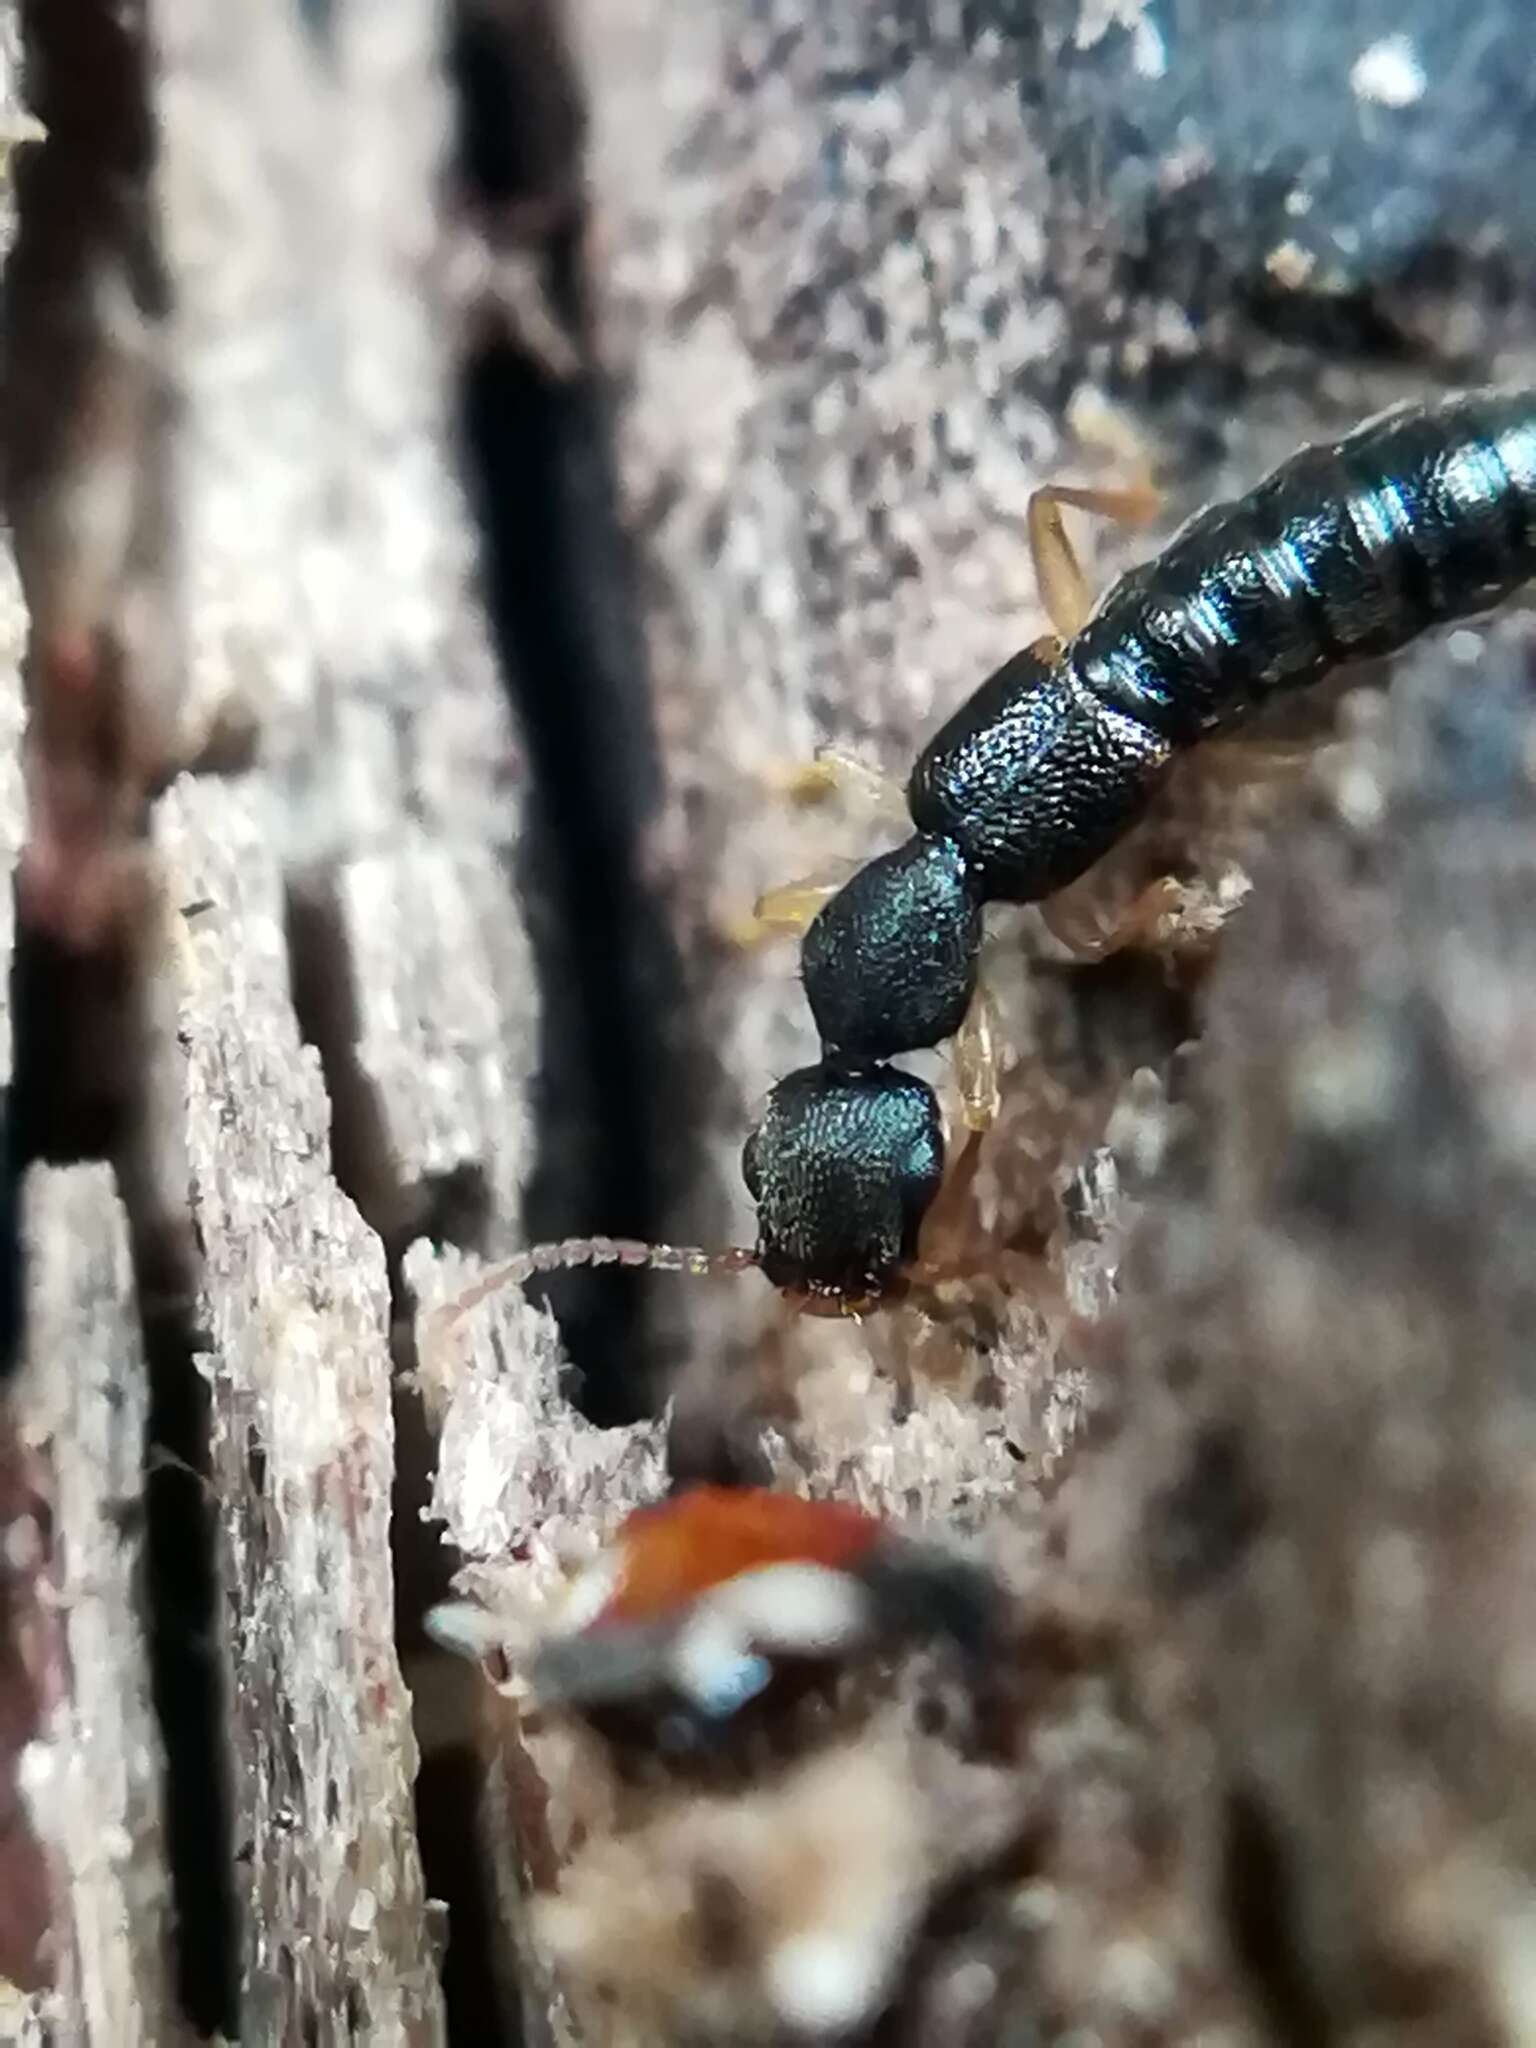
x: 1425, y: 514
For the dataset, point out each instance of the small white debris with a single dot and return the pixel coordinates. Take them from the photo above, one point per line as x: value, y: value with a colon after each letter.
x: 36, y: 1768
x: 1097, y: 17
x: 465, y: 1629
x: 586, y: 1595
x: 17, y: 127
x: 1290, y: 265
x: 1389, y: 73
x: 22, y: 1546
x: 825, y: 1984
x: 1149, y: 52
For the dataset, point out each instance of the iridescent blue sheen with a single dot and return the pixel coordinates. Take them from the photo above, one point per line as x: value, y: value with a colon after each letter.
x: 1423, y: 515
x: 843, y: 1168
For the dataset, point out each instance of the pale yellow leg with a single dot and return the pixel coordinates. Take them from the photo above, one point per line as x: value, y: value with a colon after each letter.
x: 789, y: 909
x: 949, y: 1224
x: 1093, y: 925
x: 1064, y: 587
x: 975, y: 1055
x: 832, y: 773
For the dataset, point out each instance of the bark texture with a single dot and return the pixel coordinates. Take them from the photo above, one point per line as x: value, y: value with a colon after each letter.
x: 540, y: 428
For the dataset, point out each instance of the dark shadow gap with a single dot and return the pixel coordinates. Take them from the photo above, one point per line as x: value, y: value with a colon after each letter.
x: 187, y: 1678
x: 612, y: 1115
x: 1258, y: 1895
x: 319, y: 18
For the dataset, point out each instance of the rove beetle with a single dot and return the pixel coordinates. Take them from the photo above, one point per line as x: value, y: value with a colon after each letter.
x: 1423, y: 515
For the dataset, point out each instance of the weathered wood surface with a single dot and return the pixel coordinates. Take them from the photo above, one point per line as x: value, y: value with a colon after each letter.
x: 819, y: 289
x: 94, y: 1775
x: 328, y: 567
x: 295, y: 1313
x: 1327, y: 1385
x: 1268, y: 1749
x: 823, y: 288
x: 317, y: 394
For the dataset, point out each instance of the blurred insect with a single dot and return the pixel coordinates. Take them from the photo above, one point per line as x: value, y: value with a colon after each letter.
x: 721, y: 1596
x: 1423, y: 515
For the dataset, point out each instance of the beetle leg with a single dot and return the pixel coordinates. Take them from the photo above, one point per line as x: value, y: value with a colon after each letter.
x: 975, y: 1056
x: 831, y: 772
x: 974, y: 1053
x: 1064, y: 587
x: 789, y: 908
x: 1094, y: 924
x: 1239, y: 762
x: 947, y: 1228
x: 1111, y: 907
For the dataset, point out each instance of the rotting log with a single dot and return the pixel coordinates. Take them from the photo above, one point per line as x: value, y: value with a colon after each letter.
x: 825, y: 287
x: 818, y: 287
x: 1271, y: 1716
x: 1326, y: 1377
x: 311, y: 376
x: 829, y: 228
x: 386, y: 800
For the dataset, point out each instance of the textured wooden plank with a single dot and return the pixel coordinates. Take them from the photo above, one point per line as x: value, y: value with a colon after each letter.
x: 1329, y: 1418
x: 13, y: 612
x: 336, y: 564
x: 445, y: 1009
x: 35, y: 1712
x: 87, y: 401
x: 32, y: 1682
x: 827, y: 447
x: 248, y: 235
x: 445, y: 1020
x: 824, y: 289
x: 94, y: 1775
x: 852, y: 1834
x: 823, y: 302
x: 520, y: 1471
x: 335, y: 587
x: 338, y: 1943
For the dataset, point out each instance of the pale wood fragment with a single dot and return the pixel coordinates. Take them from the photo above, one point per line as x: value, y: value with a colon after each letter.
x: 94, y: 1775
x: 339, y: 1941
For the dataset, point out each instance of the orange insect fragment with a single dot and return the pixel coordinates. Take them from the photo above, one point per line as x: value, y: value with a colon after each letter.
x: 679, y: 1549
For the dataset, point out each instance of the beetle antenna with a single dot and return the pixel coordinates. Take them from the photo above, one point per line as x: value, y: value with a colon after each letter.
x: 567, y: 1253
